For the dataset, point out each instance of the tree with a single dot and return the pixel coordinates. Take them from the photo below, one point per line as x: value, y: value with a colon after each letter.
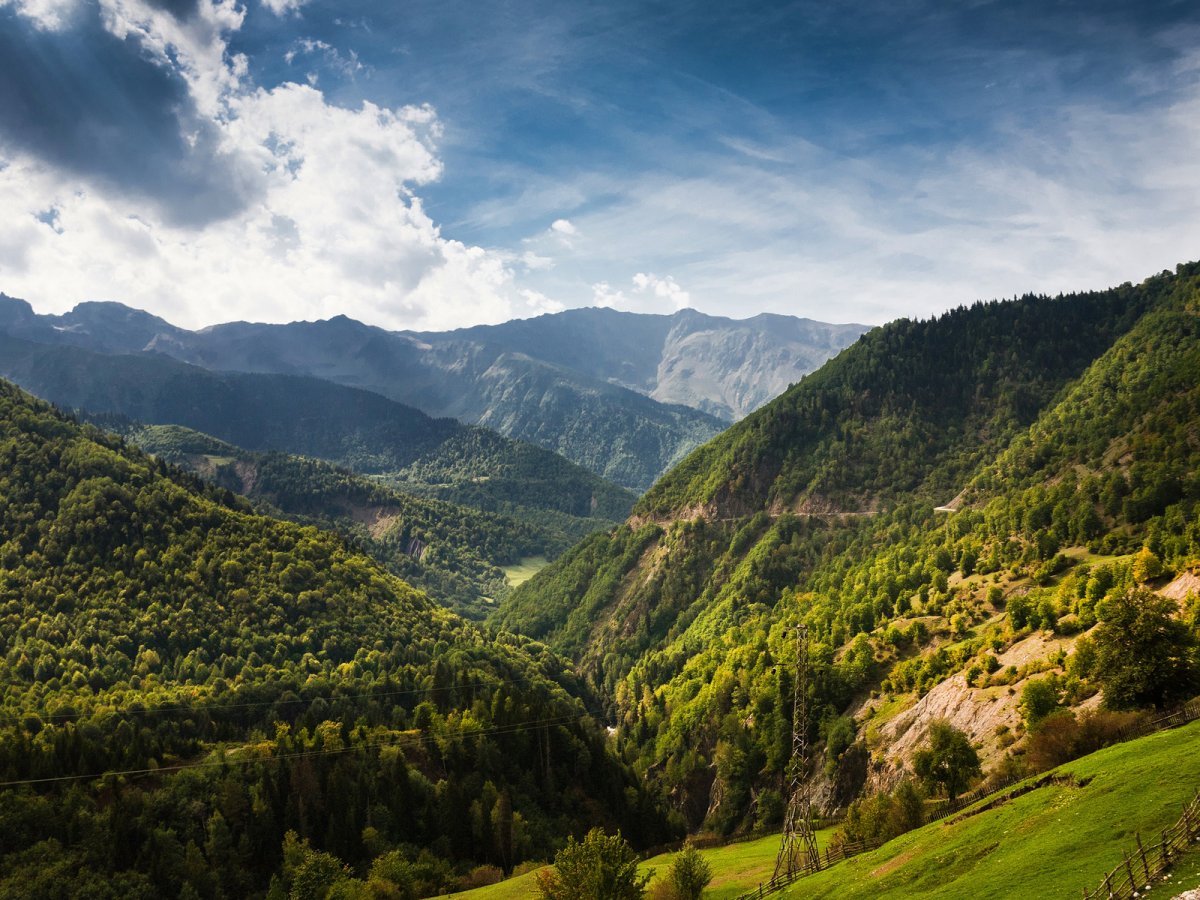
x: 1146, y: 566
x: 600, y: 867
x: 949, y: 761
x: 689, y: 873
x: 1039, y: 698
x: 1144, y: 655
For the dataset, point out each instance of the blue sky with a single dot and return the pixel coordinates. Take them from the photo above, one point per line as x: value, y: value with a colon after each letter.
x: 429, y: 165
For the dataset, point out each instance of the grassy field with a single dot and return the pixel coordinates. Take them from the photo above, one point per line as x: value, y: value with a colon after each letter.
x: 736, y: 868
x: 524, y: 570
x: 1051, y: 842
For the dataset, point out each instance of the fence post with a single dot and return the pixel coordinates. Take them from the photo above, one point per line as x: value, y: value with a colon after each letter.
x: 1129, y: 872
x: 1108, y: 886
x: 1142, y: 854
x: 1166, y: 851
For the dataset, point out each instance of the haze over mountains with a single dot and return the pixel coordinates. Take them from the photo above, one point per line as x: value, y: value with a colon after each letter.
x: 622, y: 394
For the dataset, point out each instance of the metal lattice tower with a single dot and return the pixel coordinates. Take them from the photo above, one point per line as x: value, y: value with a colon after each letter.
x: 798, y: 849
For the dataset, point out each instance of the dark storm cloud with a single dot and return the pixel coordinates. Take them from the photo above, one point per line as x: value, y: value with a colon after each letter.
x: 90, y: 104
x: 180, y: 9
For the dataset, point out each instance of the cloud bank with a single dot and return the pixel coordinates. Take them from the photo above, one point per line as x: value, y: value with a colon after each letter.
x: 166, y: 179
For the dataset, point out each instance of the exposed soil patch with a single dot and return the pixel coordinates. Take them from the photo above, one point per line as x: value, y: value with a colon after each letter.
x: 1185, y: 584
x: 893, y: 864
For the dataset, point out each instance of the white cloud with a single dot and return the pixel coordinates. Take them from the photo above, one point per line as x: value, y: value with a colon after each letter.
x: 564, y: 226
x: 534, y: 262
x: 604, y: 296
x: 347, y: 65
x: 195, y: 45
x: 649, y: 294
x: 283, y: 7
x: 48, y: 15
x: 1095, y: 198
x: 334, y: 226
x: 663, y: 289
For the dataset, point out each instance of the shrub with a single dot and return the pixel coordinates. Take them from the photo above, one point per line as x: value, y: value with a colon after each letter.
x: 949, y: 761
x: 600, y: 865
x: 1061, y: 737
x: 689, y: 873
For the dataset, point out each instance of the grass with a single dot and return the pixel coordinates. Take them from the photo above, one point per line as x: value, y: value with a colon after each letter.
x: 1184, y: 876
x: 1051, y: 842
x: 524, y: 570
x: 737, y: 868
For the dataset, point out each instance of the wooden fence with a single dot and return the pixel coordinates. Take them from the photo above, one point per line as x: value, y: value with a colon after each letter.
x: 831, y: 855
x: 1143, y: 865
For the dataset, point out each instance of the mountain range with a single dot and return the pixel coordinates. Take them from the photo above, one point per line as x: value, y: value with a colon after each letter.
x: 358, y: 429
x: 622, y: 394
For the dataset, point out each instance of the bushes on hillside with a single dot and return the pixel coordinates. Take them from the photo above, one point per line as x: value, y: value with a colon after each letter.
x: 1062, y: 736
x: 884, y: 816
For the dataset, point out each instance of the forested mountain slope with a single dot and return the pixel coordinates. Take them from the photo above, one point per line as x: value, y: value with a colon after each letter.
x: 360, y: 430
x: 264, y: 679
x: 453, y: 553
x: 1069, y: 422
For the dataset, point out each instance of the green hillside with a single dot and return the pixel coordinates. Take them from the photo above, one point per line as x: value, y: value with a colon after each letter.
x: 1066, y: 424
x: 357, y: 429
x: 254, y: 678
x: 736, y: 868
x: 456, y: 554
x: 1050, y: 842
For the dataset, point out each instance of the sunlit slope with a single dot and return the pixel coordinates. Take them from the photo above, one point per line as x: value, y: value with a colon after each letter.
x: 1051, y: 842
x: 1055, y: 468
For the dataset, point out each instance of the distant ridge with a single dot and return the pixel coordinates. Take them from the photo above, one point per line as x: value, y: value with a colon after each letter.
x: 625, y: 395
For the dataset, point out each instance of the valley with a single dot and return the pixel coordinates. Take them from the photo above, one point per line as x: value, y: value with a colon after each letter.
x: 241, y: 605
x: 621, y: 451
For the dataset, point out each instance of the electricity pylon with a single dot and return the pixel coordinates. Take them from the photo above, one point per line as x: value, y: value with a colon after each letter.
x: 798, y: 849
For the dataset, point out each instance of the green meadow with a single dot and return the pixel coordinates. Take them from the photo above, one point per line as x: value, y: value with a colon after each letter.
x: 1051, y: 842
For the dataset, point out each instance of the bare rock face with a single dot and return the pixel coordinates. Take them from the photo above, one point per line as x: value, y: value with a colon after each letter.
x: 1184, y: 584
x: 731, y: 367
x: 981, y: 713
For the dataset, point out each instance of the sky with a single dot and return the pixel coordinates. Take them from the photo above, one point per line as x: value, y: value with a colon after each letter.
x: 430, y: 165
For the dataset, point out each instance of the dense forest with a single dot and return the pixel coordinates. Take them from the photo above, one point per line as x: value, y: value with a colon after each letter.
x: 1065, y: 430
x: 270, y: 705
x: 453, y: 553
